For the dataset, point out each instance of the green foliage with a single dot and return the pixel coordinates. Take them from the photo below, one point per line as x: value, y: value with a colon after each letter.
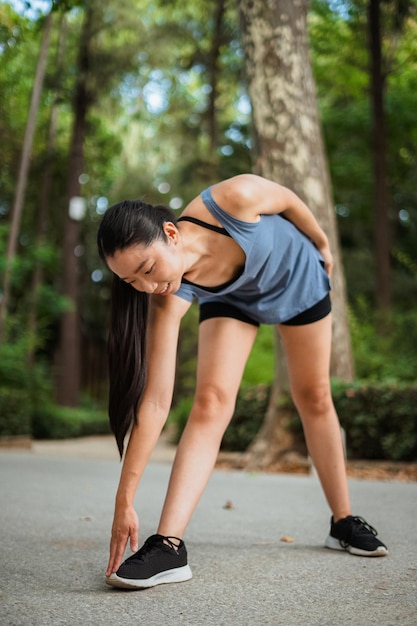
x: 13, y: 367
x: 259, y: 369
x: 379, y: 418
x: 389, y: 355
x: 52, y: 422
x: 187, y: 355
x: 14, y: 412
x: 179, y: 415
x: 338, y: 33
x: 23, y: 389
x: 26, y: 406
x: 251, y: 405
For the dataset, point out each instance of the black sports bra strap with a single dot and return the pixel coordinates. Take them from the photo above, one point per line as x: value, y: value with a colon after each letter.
x: 195, y: 220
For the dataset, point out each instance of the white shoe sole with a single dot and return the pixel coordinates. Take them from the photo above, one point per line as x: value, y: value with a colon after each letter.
x: 177, y: 575
x: 334, y: 544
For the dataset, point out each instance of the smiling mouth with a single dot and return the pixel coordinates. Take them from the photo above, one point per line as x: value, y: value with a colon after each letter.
x: 165, y: 291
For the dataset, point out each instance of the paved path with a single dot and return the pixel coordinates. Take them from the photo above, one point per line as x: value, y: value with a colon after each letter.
x: 55, y: 515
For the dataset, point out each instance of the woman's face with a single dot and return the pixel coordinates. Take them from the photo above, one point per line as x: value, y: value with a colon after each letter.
x: 153, y: 269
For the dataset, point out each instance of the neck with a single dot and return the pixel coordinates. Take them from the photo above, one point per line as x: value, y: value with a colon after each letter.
x: 192, y: 246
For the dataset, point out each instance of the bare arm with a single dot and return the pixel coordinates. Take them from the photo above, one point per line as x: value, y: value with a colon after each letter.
x: 162, y: 338
x: 248, y: 196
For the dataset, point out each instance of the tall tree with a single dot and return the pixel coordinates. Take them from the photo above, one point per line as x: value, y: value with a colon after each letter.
x: 45, y: 190
x: 289, y: 149
x: 383, y: 290
x: 393, y: 14
x: 68, y: 356
x: 107, y: 51
x: 16, y: 214
x: 340, y: 43
x: 214, y: 71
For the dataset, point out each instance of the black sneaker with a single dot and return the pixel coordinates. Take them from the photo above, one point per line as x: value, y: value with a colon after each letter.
x: 158, y: 561
x: 356, y: 536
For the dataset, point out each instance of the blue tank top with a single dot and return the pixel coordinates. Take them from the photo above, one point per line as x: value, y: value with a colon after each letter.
x: 283, y: 275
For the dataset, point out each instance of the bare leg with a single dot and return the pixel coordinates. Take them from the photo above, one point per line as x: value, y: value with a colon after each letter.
x: 224, y: 346
x: 308, y: 357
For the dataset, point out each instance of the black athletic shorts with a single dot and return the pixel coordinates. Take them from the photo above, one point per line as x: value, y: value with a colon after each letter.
x: 221, y: 309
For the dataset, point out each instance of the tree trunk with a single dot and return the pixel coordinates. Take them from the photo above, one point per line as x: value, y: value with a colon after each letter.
x: 383, y: 284
x: 214, y: 70
x: 47, y: 176
x: 17, y: 209
x: 290, y: 150
x: 68, y: 359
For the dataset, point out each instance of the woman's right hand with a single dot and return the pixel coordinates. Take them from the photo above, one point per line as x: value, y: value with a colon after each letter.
x: 125, y: 527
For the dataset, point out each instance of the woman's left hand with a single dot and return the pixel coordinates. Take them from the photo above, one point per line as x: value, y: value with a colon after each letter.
x: 328, y: 259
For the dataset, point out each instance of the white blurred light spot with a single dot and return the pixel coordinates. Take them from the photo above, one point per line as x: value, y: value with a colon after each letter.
x: 226, y: 150
x: 342, y: 210
x: 77, y: 208
x: 164, y: 187
x: 176, y: 203
x: 96, y: 276
x: 101, y: 205
x: 243, y: 105
x: 404, y: 215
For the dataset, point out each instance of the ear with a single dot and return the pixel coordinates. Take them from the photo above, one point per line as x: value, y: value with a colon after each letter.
x: 171, y: 231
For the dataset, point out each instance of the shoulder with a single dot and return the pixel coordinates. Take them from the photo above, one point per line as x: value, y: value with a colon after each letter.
x: 240, y: 189
x: 246, y: 196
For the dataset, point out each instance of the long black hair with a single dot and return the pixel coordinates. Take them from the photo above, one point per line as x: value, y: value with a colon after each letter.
x: 124, y: 225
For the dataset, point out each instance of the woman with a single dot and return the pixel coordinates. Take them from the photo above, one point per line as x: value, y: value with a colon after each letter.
x: 251, y: 252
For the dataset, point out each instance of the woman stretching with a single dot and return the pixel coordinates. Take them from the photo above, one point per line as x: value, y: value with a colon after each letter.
x: 251, y: 252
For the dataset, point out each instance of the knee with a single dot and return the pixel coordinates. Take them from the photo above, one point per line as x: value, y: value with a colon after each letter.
x: 314, y: 400
x: 212, y: 405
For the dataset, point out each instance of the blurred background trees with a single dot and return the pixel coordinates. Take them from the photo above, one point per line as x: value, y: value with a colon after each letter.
x: 151, y: 100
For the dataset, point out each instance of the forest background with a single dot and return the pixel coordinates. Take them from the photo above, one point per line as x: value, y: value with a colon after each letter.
x: 150, y: 100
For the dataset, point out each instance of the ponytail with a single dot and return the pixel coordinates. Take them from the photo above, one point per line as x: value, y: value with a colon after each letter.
x: 125, y: 224
x: 127, y: 357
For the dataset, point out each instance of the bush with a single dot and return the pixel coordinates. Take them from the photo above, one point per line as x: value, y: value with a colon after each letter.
x: 14, y: 372
x: 66, y: 423
x: 178, y: 417
x: 250, y: 409
x: 383, y: 355
x: 251, y: 405
x: 22, y: 389
x: 380, y: 419
x: 14, y: 412
x: 26, y: 406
